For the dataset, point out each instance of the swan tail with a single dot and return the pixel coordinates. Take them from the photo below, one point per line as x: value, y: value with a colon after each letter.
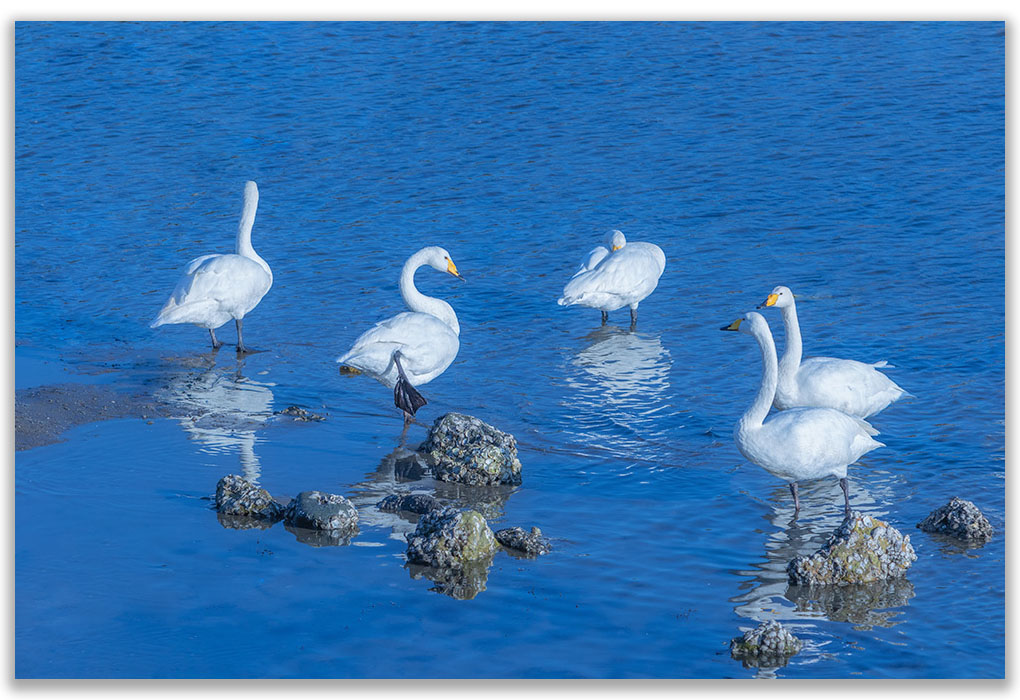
x: 867, y: 427
x: 193, y: 312
x: 405, y: 396
x: 566, y: 301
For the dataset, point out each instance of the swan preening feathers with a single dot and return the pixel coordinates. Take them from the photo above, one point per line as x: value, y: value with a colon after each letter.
x: 855, y: 388
x: 621, y: 275
x: 799, y: 443
x: 217, y: 288
x: 413, y: 347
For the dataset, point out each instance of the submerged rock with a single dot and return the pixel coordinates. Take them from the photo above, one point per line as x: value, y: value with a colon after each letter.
x: 419, y: 503
x: 769, y: 644
x: 862, y: 549
x: 467, y: 450
x: 315, y: 510
x: 530, y: 543
x: 448, y: 539
x: 958, y: 518
x: 236, y: 496
x: 298, y: 413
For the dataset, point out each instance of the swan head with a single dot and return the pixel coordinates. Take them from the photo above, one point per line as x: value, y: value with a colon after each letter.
x: 752, y: 323
x: 615, y: 240
x: 781, y: 297
x: 439, y: 259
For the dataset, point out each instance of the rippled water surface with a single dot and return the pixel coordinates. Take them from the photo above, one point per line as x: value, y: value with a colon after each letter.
x: 860, y: 164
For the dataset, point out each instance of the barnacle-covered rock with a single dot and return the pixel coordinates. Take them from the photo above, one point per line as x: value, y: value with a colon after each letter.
x: 769, y: 644
x: 315, y: 510
x: 860, y: 550
x: 467, y: 450
x: 958, y: 518
x: 236, y: 496
x: 530, y: 543
x: 419, y: 503
x: 448, y: 539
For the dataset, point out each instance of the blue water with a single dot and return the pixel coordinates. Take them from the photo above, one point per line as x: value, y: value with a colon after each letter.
x: 860, y: 164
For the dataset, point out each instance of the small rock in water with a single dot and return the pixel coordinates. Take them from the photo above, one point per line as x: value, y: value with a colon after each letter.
x: 531, y: 543
x: 448, y: 539
x: 315, y: 510
x: 958, y: 518
x: 236, y: 496
x: 419, y: 503
x: 769, y: 644
x: 860, y: 550
x: 467, y: 450
x: 298, y: 413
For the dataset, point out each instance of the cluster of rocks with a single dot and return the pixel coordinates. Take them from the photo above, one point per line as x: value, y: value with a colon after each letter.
x: 453, y: 548
x: 241, y: 504
x: 769, y: 644
x: 862, y: 549
x: 960, y: 519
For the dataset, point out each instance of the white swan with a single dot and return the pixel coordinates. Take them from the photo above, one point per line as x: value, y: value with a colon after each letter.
x: 801, y: 443
x: 413, y: 347
x: 610, y: 279
x: 217, y: 288
x: 855, y: 388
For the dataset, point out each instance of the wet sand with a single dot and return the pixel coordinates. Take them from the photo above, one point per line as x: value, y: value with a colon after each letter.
x: 43, y: 414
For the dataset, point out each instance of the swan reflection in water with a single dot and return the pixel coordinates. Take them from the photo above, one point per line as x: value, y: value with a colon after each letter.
x: 620, y: 393
x: 769, y: 596
x: 221, y: 409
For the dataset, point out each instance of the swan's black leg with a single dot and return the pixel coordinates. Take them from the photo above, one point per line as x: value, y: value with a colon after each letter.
x: 605, y: 317
x: 240, y: 342
x: 405, y: 396
x: 215, y: 343
x: 846, y: 496
x: 796, y: 499
x: 633, y: 318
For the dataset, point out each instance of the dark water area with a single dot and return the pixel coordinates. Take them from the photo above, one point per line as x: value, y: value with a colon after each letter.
x: 860, y: 164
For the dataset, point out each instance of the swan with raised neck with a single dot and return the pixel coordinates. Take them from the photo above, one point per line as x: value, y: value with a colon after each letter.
x: 439, y: 259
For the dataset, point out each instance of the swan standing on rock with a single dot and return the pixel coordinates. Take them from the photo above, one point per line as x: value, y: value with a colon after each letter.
x: 610, y: 279
x: 801, y: 443
x: 413, y: 347
x: 217, y: 288
x: 855, y: 388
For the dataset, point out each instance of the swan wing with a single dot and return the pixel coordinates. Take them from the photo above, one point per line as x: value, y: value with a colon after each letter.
x: 808, y: 443
x: 427, y: 347
x: 856, y: 388
x: 623, y: 277
x: 214, y: 289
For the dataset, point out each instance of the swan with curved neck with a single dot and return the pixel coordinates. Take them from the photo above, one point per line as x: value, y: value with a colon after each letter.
x: 615, y: 275
x: 802, y: 443
x: 217, y: 288
x: 856, y: 388
x: 413, y: 347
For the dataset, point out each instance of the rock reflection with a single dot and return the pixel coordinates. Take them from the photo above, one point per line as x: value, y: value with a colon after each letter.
x: 322, y: 538
x: 619, y: 384
x: 221, y: 409
x: 463, y: 583
x: 401, y: 472
x: 864, y: 605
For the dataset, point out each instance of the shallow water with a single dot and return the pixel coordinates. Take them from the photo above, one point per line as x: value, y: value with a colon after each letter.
x: 860, y: 164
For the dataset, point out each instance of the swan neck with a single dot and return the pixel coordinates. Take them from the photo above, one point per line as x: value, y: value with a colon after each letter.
x: 422, y: 303
x: 755, y: 415
x: 244, y: 246
x: 793, y: 351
